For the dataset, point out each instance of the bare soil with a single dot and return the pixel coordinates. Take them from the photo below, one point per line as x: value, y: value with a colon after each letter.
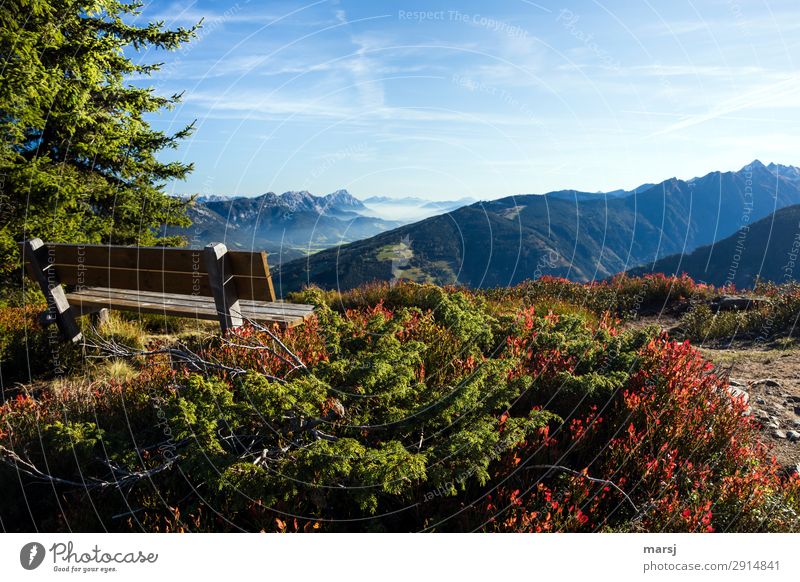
x: 771, y: 377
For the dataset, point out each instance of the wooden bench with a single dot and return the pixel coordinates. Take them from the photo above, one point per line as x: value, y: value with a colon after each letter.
x: 209, y: 283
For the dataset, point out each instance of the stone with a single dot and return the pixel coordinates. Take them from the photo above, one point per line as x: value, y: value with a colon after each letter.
x: 793, y: 436
x: 797, y: 410
x: 774, y: 424
x: 739, y: 393
x: 738, y: 303
x: 760, y: 400
x: 793, y: 469
x: 778, y: 434
x: 767, y: 383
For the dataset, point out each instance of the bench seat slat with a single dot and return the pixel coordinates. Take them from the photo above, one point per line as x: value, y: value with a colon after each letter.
x: 188, y: 300
x: 88, y: 300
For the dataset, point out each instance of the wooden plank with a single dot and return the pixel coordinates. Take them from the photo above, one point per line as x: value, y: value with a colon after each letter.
x: 177, y: 260
x: 86, y: 304
x: 157, y: 281
x: 278, y: 307
x: 250, y: 264
x: 264, y: 267
x: 35, y: 254
x: 165, y: 282
x: 203, y: 309
x: 160, y: 299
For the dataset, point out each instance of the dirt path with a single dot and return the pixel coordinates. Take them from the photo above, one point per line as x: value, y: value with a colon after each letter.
x: 771, y: 377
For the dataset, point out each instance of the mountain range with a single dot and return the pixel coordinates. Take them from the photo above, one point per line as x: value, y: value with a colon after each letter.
x: 578, y: 235
x: 287, y: 225
x: 768, y: 249
x: 296, y: 223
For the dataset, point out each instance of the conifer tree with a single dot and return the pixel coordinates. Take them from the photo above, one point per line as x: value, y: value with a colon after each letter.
x: 79, y: 161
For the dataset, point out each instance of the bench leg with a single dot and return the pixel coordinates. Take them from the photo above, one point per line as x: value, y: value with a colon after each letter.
x: 43, y: 272
x: 223, y: 287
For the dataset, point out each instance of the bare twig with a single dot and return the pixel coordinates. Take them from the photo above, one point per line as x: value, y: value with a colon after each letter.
x: 126, y: 477
x: 588, y: 478
x: 299, y: 363
x: 292, y: 365
x: 181, y: 353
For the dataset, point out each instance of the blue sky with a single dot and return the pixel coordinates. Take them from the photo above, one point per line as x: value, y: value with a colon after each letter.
x: 483, y: 99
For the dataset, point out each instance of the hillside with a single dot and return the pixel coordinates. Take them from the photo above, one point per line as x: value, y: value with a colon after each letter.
x: 584, y: 238
x: 766, y: 250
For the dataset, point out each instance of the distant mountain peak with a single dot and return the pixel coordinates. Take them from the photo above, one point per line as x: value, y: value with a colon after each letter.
x: 342, y: 198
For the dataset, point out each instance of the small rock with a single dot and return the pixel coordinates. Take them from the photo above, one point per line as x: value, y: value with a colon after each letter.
x: 738, y: 393
x: 793, y: 398
x: 793, y: 436
x: 760, y: 400
x: 792, y: 469
x: 762, y: 414
x: 797, y: 410
x: 778, y: 434
x: 738, y: 303
x: 774, y: 424
x: 767, y: 382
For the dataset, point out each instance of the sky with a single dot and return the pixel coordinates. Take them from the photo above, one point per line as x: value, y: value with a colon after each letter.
x: 443, y: 100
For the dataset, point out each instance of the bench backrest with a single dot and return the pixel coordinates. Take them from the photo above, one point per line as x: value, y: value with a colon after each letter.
x: 156, y: 269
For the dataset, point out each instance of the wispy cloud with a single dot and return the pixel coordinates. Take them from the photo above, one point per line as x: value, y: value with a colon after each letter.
x: 189, y: 13
x: 257, y: 106
x: 770, y: 95
x: 704, y: 71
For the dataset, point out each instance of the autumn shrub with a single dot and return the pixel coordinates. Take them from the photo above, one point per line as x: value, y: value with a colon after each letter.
x: 417, y: 409
x: 624, y: 296
x: 671, y: 451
